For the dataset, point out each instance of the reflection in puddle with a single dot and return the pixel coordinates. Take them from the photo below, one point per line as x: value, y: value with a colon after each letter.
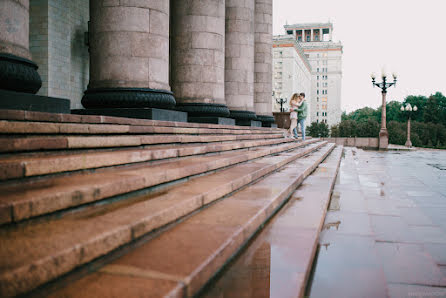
x: 332, y: 224
x: 326, y: 245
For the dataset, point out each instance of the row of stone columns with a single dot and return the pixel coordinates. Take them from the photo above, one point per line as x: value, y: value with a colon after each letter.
x: 219, y: 56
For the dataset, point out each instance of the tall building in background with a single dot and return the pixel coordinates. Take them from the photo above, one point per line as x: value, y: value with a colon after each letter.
x: 291, y: 71
x: 325, y: 58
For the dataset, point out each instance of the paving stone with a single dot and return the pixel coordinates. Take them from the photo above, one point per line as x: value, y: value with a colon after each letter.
x: 346, y: 260
x: 404, y: 291
x: 408, y: 264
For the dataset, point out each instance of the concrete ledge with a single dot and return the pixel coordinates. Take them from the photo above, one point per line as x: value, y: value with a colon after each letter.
x: 368, y: 143
x: 11, y: 100
x: 213, y: 120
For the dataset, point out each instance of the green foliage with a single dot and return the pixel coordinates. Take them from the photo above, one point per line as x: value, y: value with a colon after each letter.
x: 428, y: 125
x: 318, y: 130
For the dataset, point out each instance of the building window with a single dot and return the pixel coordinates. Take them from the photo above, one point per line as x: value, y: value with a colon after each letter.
x: 318, y: 77
x: 317, y: 91
x: 308, y: 37
x: 317, y: 113
x: 299, y: 38
x: 290, y: 32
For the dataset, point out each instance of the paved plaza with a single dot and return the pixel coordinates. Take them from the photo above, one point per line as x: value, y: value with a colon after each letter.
x: 385, y: 232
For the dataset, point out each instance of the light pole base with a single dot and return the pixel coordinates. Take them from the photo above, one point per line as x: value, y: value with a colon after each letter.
x: 383, y: 139
x: 408, y: 143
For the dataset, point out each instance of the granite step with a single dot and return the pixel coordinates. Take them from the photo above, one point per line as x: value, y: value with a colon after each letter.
x: 181, y: 260
x: 32, y: 254
x: 21, y: 115
x: 64, y: 142
x: 41, y: 163
x: 51, y: 128
x: 20, y: 201
x: 293, y: 233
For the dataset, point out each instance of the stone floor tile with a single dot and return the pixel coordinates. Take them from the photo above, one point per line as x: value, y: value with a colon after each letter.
x: 382, y: 207
x: 414, y: 216
x: 347, y: 266
x: 409, y: 264
x: 407, y: 291
x: 428, y: 234
x: 437, y: 252
x: 351, y: 223
x: 391, y: 228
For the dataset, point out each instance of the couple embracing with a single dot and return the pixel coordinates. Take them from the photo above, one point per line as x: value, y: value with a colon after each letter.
x: 298, y: 114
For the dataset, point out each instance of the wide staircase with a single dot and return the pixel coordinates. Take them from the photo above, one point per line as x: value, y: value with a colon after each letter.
x: 97, y: 206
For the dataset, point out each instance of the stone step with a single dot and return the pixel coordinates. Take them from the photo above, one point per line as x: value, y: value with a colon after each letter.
x: 63, y: 142
x: 293, y: 233
x: 33, y: 254
x: 25, y: 165
x: 180, y: 261
x: 21, y: 115
x: 33, y: 127
x: 25, y: 200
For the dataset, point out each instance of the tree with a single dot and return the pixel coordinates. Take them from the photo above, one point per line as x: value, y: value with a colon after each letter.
x: 318, y: 130
x: 431, y: 110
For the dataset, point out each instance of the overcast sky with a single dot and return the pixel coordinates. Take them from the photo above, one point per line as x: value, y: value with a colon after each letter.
x: 408, y: 37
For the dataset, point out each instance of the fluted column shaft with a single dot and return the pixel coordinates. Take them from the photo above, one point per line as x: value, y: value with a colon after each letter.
x: 263, y: 57
x: 129, y: 54
x: 239, y: 56
x: 17, y: 71
x: 198, y: 47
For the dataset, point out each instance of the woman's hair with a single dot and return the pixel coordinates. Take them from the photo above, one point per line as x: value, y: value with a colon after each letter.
x: 295, y: 97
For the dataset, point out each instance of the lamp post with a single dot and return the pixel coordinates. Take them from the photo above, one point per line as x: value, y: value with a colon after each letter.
x: 281, y: 101
x: 383, y: 134
x: 408, y: 109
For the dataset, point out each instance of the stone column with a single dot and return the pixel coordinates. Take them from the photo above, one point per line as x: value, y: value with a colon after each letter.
x: 129, y: 55
x: 198, y: 57
x: 17, y: 71
x: 263, y: 51
x: 321, y: 36
x: 239, y: 59
x: 311, y: 35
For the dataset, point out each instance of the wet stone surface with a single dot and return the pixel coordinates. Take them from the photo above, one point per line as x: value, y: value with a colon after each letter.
x: 385, y: 232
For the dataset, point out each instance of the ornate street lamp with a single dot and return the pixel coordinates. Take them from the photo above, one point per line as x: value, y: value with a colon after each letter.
x: 383, y: 134
x: 281, y: 101
x: 408, y: 110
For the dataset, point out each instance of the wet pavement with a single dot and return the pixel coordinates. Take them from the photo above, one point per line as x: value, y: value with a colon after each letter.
x: 385, y: 232
x: 384, y: 235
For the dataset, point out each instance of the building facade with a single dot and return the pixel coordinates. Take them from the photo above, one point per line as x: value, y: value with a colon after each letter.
x: 291, y: 72
x: 325, y: 58
x: 210, y: 58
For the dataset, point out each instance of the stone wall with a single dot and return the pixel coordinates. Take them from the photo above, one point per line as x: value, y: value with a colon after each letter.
x: 57, y: 45
x: 370, y: 143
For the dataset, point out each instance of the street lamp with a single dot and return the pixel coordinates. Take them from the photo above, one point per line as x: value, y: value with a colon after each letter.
x: 408, y: 110
x: 383, y: 134
x: 281, y: 101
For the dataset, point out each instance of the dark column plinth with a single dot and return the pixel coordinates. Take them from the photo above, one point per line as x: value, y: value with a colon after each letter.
x: 19, y: 74
x: 140, y: 113
x: 212, y: 120
x: 10, y: 100
x: 197, y: 109
x: 252, y: 123
x: 267, y: 121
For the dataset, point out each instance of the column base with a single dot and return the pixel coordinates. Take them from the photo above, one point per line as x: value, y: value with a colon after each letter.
x: 139, y: 113
x: 19, y: 74
x: 267, y: 121
x: 212, y: 120
x: 252, y: 123
x: 383, y: 139
x: 107, y: 98
x: 199, y: 109
x: 408, y: 143
x: 11, y: 100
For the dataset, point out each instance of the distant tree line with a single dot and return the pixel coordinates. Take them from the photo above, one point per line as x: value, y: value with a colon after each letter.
x: 428, y: 126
